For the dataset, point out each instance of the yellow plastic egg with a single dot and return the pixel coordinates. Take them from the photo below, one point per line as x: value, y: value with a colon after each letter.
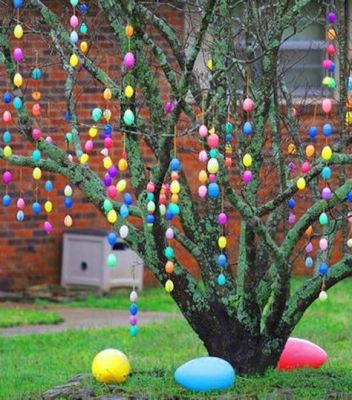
x: 93, y: 131
x: 203, y: 176
x: 84, y: 158
x: 310, y: 150
x: 37, y: 173
x: 18, y: 31
x: 107, y: 162
x: 211, y: 131
x: 129, y: 92
x: 112, y: 216
x: 326, y: 153
x: 68, y: 221
x: 7, y: 151
x: 107, y: 115
x: 348, y: 118
x: 222, y: 242
x: 213, y: 166
x: 121, y: 185
x: 129, y: 31
x: 18, y: 80
x: 74, y: 60
x: 247, y: 160
x: 48, y: 206
x: 83, y: 47
x: 210, y: 65
x: 301, y: 183
x: 169, y: 286
x: 331, y: 34
x: 291, y: 148
x: 107, y: 94
x: 326, y: 81
x: 122, y: 164
x: 175, y: 187
x: 111, y: 366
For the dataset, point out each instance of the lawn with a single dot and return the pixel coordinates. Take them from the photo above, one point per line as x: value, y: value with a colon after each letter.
x: 17, y: 316
x: 29, y: 365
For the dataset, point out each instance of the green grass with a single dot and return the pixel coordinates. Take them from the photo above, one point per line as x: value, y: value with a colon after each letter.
x: 17, y: 316
x: 29, y: 365
x: 150, y: 299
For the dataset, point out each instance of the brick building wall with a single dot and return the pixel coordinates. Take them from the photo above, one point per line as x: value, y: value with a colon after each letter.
x: 29, y: 256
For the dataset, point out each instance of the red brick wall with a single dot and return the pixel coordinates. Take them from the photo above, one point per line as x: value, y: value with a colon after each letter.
x: 27, y: 255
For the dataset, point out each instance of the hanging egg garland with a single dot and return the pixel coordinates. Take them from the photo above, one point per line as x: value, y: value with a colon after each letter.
x: 74, y: 23
x: 7, y: 151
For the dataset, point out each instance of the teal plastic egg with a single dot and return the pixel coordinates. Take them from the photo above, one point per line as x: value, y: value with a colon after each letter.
x: 36, y: 155
x: 107, y: 205
x: 17, y: 103
x: 36, y: 74
x: 169, y: 252
x: 111, y: 261
x: 128, y: 117
x: 323, y: 219
x: 83, y: 29
x: 97, y: 114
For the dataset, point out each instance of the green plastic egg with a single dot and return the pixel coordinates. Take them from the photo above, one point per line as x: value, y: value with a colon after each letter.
x: 111, y: 261
x: 128, y: 117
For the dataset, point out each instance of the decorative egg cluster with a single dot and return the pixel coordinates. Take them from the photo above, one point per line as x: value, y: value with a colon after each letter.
x: 7, y: 150
x: 133, y: 311
x: 68, y: 202
x: 248, y: 107
x: 222, y: 243
x: 129, y: 62
x: 74, y: 23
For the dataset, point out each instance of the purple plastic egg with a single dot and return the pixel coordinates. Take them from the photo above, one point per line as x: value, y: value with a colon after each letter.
x: 291, y: 219
x: 222, y: 219
x: 203, y: 156
x: 326, y: 193
x: 168, y: 107
x: 18, y: 54
x: 331, y: 17
x: 48, y: 227
x: 107, y: 180
x: 129, y: 60
x: 7, y: 177
x: 169, y: 234
x: 112, y: 171
x: 133, y: 319
x: 292, y: 167
x: 309, y: 248
x: 202, y: 191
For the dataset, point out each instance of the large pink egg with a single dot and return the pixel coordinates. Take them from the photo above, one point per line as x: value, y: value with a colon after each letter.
x: 74, y: 21
x: 248, y: 105
x: 202, y: 191
x: 203, y: 156
x: 7, y: 177
x: 88, y: 146
x: 323, y: 244
x: 203, y: 131
x: 331, y: 50
x: 305, y: 167
x: 20, y: 203
x: 129, y: 60
x: 18, y: 54
x: 247, y: 176
x: 7, y: 116
x: 327, y: 105
x: 213, y: 141
x: 36, y: 134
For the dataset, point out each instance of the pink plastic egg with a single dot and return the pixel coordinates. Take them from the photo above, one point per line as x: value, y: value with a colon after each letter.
x: 7, y: 116
x: 169, y: 234
x: 167, y: 188
x: 327, y: 105
x: 305, y: 167
x: 309, y: 248
x: 74, y: 21
x: 213, y: 141
x: 112, y: 191
x: 293, y: 112
x: 168, y: 107
x: 248, y: 105
x: 202, y: 191
x: 203, y: 156
x: 247, y: 176
x: 18, y: 54
x: 212, y: 178
x: 7, y: 177
x: 326, y: 63
x: 331, y: 50
x: 49, y: 139
x: 222, y: 219
x: 129, y: 60
x: 20, y: 203
x: 108, y: 143
x: 291, y: 219
x: 36, y: 109
x: 150, y: 187
x: 88, y: 146
x: 323, y: 244
x: 36, y: 134
x: 48, y: 227
x: 203, y: 131
x: 70, y: 158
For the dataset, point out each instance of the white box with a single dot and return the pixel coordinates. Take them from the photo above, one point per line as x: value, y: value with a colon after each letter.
x: 84, y: 261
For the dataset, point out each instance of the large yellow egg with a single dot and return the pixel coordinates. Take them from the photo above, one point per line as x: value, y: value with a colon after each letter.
x: 84, y: 158
x: 213, y: 166
x: 7, y: 151
x: 326, y: 153
x: 203, y: 176
x: 107, y: 162
x: 121, y: 185
x: 175, y: 187
x: 129, y: 92
x: 247, y: 160
x: 84, y: 47
x: 93, y: 131
x: 74, y: 60
x: 222, y: 242
x: 107, y: 94
x: 37, y: 173
x: 48, y: 206
x: 18, y: 31
x: 112, y: 216
x: 301, y: 183
x: 18, y: 80
x: 111, y: 366
x: 122, y: 164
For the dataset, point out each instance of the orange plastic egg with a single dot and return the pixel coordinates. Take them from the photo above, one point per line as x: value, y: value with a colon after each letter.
x: 36, y: 110
x: 169, y: 267
x: 36, y: 96
x: 174, y: 198
x: 332, y: 34
x: 309, y: 231
x: 129, y: 31
x: 310, y: 150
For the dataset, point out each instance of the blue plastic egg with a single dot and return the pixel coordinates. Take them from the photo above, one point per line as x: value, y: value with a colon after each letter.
x: 169, y: 215
x: 308, y: 262
x: 175, y: 164
x: 313, y: 132
x: 20, y: 215
x: 292, y: 203
x: 7, y: 98
x: 107, y: 130
x: 213, y: 190
x: 323, y: 268
x: 326, y: 173
x: 83, y: 29
x: 17, y: 3
x: 36, y: 74
x: 222, y: 260
x: 83, y: 8
x: 332, y: 67
x: 349, y: 196
x: 36, y: 155
x: 36, y: 208
x: 112, y: 238
x: 48, y: 186
x: 149, y: 219
x: 6, y: 137
x: 221, y: 280
x: 6, y: 200
x: 228, y: 137
x: 128, y: 199
x: 17, y: 103
x: 327, y: 130
x: 124, y: 212
x: 68, y: 202
x: 133, y: 309
x: 247, y: 128
x: 74, y: 37
x: 67, y: 117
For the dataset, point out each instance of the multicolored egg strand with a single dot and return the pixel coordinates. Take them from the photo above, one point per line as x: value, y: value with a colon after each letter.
x: 74, y: 22
x: 7, y: 150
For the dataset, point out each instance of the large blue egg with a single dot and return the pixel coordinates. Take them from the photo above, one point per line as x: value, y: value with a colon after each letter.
x: 68, y: 202
x: 36, y: 208
x: 36, y: 155
x: 213, y: 190
x: 112, y: 238
x: 323, y: 268
x: 17, y: 103
x: 6, y: 137
x: 327, y: 130
x: 17, y: 3
x: 149, y: 219
x: 247, y: 128
x: 326, y: 173
x: 175, y: 164
x: 128, y: 199
x: 205, y: 373
x: 133, y: 309
x: 48, y: 186
x: 124, y: 211
x: 6, y: 200
x: 222, y: 260
x: 36, y: 74
x: 308, y: 262
x: 7, y: 98
x: 107, y: 130
x: 349, y: 196
x: 313, y: 132
x: 292, y: 203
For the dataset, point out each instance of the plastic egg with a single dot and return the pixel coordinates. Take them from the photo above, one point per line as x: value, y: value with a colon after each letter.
x: 326, y: 153
x: 48, y: 186
x: 7, y: 151
x: 349, y: 243
x: 326, y: 193
x: 88, y: 146
x: 203, y: 156
x: 221, y: 280
x: 331, y: 83
x: 74, y: 21
x: 169, y: 267
x: 36, y: 110
x: 247, y: 176
x: 291, y: 219
x: 313, y: 132
x: 83, y: 47
x: 68, y: 191
x: 213, y: 141
x: 323, y: 244
x: 124, y: 212
x: 107, y: 94
x: 36, y: 155
x: 308, y: 262
x: 213, y: 190
x: 107, y: 205
x: 169, y: 286
x: 18, y: 80
x: 323, y: 219
x: 18, y: 54
x: 222, y: 219
x: 247, y: 160
x: 248, y: 105
x: 121, y: 185
x: 17, y: 103
x: 37, y: 173
x: 74, y: 3
x: 129, y: 31
x: 331, y: 17
x: 36, y: 208
x: 327, y: 130
x: 18, y: 31
x: 129, y: 60
x: 83, y: 29
x: 203, y: 176
x: 203, y: 131
x: 7, y: 177
x: 213, y: 166
x: 20, y: 203
x: 175, y: 164
x: 323, y: 268
x: 309, y: 231
x: 84, y: 158
x: 128, y: 117
x: 36, y: 95
x: 310, y: 150
x: 20, y: 215
x: 47, y: 227
x: 124, y: 231
x: 74, y: 37
x: 74, y: 60
x: 168, y: 107
x: 222, y: 242
x: 291, y: 148
x: 112, y: 192
x: 247, y: 128
x: 97, y: 114
x: 112, y: 216
x: 169, y: 234
x: 327, y: 105
x: 308, y: 248
x: 68, y: 221
x: 222, y: 260
x: 6, y: 137
x: 323, y: 296
x: 175, y: 187
x: 122, y: 165
x: 326, y: 173
x: 348, y: 117
x: 107, y: 162
x: 210, y: 64
x: 305, y: 168
x: 202, y: 191
x: 7, y: 117
x: 326, y: 63
x: 48, y: 206
x: 301, y: 183
x: 331, y: 50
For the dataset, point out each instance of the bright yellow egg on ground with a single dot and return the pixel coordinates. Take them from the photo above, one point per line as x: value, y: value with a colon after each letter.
x: 301, y: 183
x: 129, y: 92
x: 111, y: 366
x: 326, y: 153
x: 74, y: 60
